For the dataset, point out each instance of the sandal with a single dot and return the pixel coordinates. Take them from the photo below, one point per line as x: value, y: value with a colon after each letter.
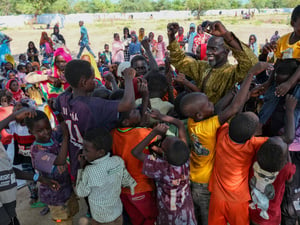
x: 45, y: 211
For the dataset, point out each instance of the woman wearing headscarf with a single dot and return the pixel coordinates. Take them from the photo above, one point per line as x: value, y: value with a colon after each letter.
x: 253, y: 44
x: 52, y: 81
x: 117, y: 49
x: 46, y: 46
x: 134, y: 46
x: 141, y: 34
x: 57, y: 38
x: 88, y: 57
x: 180, y: 37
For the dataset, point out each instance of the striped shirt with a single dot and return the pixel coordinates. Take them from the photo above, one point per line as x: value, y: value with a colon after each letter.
x: 102, y: 182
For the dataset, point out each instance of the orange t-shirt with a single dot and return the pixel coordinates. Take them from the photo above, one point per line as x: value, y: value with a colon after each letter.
x: 230, y: 176
x: 124, y: 140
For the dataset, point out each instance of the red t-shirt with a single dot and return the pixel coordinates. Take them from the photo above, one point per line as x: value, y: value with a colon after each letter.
x: 125, y: 139
x: 274, y: 210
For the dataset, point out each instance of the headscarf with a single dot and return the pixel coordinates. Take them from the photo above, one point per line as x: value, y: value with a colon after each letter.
x: 141, y: 35
x: 36, y: 64
x: 47, y: 88
x: 47, y: 39
x: 58, y: 35
x: 93, y: 64
x: 65, y: 55
x: 17, y: 95
x: 254, y: 46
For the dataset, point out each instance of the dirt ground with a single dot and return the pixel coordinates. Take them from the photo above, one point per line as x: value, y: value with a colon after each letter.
x: 32, y: 216
x: 101, y: 33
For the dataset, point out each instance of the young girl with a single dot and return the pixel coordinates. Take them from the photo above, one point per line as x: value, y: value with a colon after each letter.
x: 160, y: 48
x: 134, y: 46
x: 32, y: 53
x: 13, y: 87
x: 46, y: 46
x: 117, y: 49
x: 253, y: 44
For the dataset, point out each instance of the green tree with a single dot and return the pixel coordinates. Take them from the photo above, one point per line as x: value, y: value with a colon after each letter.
x: 199, y: 6
x: 40, y: 6
x: 61, y: 6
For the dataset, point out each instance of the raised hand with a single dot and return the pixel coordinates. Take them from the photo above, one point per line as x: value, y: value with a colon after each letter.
x: 259, y: 67
x: 290, y: 102
x: 143, y: 87
x: 129, y: 73
x: 23, y: 113
x: 160, y: 129
x: 215, y: 28
x: 172, y: 30
x: 283, y: 88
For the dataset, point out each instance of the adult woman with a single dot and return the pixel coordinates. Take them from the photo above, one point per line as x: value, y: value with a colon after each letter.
x: 52, y: 81
x: 46, y: 46
x: 57, y: 38
x: 152, y: 42
x: 32, y: 53
x: 141, y: 34
x: 126, y: 40
x: 88, y: 57
x: 117, y: 49
x: 253, y: 44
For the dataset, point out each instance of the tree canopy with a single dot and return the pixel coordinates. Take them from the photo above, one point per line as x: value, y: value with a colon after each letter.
x: 15, y: 7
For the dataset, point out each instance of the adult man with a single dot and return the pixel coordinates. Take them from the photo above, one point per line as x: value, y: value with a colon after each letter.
x: 275, y: 37
x: 216, y: 76
x: 84, y: 40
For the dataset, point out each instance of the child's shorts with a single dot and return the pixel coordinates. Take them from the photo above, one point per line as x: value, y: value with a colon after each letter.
x: 7, y: 212
x: 63, y: 214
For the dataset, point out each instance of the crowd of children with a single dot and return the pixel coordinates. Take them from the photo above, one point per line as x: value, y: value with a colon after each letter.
x: 141, y: 143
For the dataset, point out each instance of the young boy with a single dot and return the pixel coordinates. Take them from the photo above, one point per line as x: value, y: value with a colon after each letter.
x: 158, y: 86
x: 202, y: 127
x: 82, y: 112
x: 8, y: 175
x: 171, y: 174
x: 271, y: 171
x: 49, y: 158
x: 107, y: 54
x: 141, y: 207
x: 102, y: 178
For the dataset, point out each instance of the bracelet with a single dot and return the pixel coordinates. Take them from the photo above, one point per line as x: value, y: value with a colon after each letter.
x: 36, y: 177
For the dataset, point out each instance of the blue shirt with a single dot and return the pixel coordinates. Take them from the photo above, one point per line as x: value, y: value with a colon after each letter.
x: 85, y: 39
x: 134, y: 48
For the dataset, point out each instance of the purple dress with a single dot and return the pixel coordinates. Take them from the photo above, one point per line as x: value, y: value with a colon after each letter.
x: 82, y: 114
x: 43, y: 156
x: 175, y: 204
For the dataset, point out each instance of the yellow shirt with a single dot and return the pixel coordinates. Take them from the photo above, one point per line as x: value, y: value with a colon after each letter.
x: 203, y: 136
x: 286, y: 51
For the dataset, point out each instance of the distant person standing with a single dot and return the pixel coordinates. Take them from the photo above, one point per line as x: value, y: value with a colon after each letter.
x: 84, y: 40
